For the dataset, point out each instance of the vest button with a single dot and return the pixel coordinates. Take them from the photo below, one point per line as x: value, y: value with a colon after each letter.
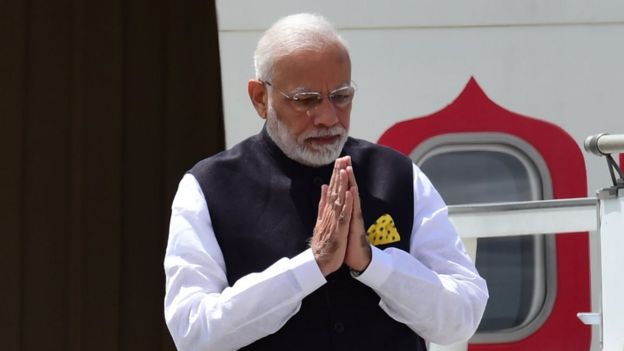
x: 338, y: 327
x: 318, y: 181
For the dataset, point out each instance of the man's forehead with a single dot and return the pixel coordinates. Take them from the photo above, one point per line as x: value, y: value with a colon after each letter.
x: 327, y: 59
x: 304, y: 73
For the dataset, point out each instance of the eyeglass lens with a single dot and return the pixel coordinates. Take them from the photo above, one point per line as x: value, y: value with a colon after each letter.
x: 306, y: 101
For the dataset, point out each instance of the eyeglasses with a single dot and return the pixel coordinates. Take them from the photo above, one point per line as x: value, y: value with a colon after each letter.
x: 309, y: 100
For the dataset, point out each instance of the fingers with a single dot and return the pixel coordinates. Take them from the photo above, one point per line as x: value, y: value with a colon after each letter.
x: 347, y: 161
x: 338, y: 165
x: 323, y: 201
x: 351, y: 175
x: 333, y: 202
x: 354, y: 189
x: 333, y: 186
x: 347, y: 209
x: 342, y: 187
x: 331, y: 233
x: 334, y: 178
x: 358, y: 254
x: 342, y: 181
x: 334, y: 196
x: 338, y: 183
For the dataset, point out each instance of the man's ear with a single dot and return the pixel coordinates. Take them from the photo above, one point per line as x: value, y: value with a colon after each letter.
x: 259, y: 97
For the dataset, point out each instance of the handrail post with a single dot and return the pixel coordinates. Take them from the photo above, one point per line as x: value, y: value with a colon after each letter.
x: 611, y: 229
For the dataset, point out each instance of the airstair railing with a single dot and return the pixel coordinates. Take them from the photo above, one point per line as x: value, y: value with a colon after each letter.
x: 602, y: 216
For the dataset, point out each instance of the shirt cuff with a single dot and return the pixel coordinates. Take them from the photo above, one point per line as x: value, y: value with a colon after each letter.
x: 378, y: 269
x: 307, y: 272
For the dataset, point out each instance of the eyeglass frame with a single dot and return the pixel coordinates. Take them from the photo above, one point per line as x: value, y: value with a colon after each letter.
x: 319, y: 96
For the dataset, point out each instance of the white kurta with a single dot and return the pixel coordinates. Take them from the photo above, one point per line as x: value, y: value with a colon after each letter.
x: 434, y: 289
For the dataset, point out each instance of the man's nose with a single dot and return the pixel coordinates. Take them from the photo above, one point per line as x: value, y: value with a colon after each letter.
x: 325, y: 114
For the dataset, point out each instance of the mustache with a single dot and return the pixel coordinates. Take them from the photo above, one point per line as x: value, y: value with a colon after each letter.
x: 324, y: 132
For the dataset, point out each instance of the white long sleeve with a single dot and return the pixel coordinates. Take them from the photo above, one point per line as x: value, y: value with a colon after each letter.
x: 435, y: 289
x: 201, y: 310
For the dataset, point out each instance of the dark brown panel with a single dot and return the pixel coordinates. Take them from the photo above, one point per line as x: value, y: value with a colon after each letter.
x: 12, y: 38
x: 75, y: 267
x: 194, y: 125
x: 144, y: 220
x: 46, y: 176
x: 103, y: 106
x: 100, y: 95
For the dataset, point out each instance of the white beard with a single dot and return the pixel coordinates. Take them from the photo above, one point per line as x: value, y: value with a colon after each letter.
x: 297, y: 149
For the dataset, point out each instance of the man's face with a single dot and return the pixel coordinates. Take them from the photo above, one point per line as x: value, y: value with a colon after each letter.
x: 315, y: 136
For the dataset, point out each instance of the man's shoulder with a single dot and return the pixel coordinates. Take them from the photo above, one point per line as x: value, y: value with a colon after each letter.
x: 227, y: 158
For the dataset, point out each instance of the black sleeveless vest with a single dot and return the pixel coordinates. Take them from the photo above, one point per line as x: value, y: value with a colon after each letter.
x: 263, y: 207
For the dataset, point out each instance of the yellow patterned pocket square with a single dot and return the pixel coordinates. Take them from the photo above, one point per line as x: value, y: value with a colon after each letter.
x: 383, y: 231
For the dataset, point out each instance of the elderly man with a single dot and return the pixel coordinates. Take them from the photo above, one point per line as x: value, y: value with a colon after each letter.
x: 301, y: 238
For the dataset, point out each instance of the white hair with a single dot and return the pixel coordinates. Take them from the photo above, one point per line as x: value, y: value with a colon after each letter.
x: 292, y: 33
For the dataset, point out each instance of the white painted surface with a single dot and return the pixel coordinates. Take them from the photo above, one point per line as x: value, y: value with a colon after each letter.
x: 235, y: 15
x: 563, y: 63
